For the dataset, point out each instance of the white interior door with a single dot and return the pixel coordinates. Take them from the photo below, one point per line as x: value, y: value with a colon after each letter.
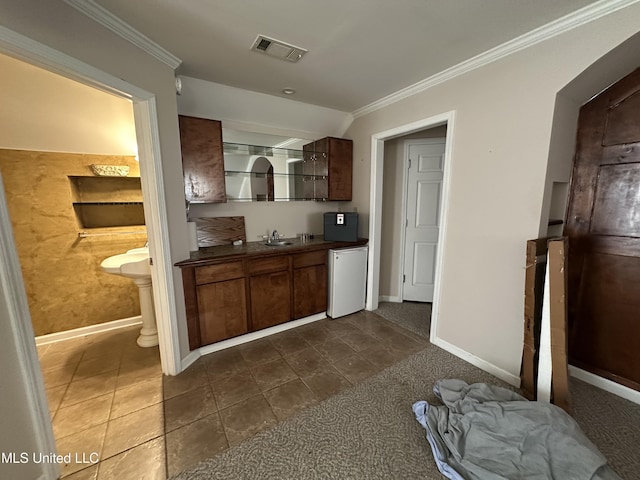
x: 425, y: 163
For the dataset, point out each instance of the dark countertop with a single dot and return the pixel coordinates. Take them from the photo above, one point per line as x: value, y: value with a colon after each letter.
x: 209, y: 255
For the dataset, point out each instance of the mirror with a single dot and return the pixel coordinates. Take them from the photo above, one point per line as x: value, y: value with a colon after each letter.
x: 261, y: 167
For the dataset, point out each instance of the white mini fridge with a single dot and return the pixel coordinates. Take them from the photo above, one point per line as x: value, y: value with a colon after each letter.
x: 347, y: 281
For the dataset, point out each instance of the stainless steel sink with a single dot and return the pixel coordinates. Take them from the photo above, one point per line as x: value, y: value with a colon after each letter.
x: 278, y: 243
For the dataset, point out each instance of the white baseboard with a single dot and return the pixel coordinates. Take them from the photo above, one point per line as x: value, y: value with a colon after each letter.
x: 477, y: 361
x: 390, y: 298
x: 89, y: 330
x: 189, y: 359
x: 605, y: 384
x: 249, y: 337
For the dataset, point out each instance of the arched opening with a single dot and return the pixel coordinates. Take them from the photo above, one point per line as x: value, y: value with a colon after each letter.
x: 262, y: 180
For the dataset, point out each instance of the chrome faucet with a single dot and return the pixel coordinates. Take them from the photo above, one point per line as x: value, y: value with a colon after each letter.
x: 275, y: 236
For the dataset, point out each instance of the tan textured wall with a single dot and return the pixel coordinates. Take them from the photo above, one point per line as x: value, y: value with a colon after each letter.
x: 65, y: 286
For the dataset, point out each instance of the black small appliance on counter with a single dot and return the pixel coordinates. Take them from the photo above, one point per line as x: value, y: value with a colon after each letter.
x: 341, y: 226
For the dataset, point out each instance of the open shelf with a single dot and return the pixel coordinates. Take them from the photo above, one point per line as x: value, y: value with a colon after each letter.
x: 107, y: 201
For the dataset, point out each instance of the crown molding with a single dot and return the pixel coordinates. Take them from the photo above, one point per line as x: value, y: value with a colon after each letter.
x: 564, y: 24
x: 105, y: 18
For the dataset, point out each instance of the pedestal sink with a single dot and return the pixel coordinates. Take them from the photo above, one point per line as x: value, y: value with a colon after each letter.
x: 134, y: 264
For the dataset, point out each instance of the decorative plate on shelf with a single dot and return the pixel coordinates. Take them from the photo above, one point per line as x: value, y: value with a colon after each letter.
x: 110, y: 170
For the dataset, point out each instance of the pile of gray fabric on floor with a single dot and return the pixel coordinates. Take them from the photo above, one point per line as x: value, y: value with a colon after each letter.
x: 486, y: 432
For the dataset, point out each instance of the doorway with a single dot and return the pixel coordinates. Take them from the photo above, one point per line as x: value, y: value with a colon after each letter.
x: 146, y: 123
x: 77, y: 211
x: 376, y: 206
x: 424, y: 169
x: 28, y: 385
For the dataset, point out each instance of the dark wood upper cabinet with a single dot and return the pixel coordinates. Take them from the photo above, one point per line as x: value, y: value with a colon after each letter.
x: 332, y: 160
x: 202, y: 160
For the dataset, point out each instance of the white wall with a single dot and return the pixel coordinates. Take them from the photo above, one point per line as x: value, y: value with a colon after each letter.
x: 16, y: 402
x: 256, y: 112
x: 504, y: 116
x: 46, y: 112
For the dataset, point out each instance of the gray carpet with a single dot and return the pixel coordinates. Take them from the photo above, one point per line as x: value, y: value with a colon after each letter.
x: 369, y: 431
x: 414, y: 316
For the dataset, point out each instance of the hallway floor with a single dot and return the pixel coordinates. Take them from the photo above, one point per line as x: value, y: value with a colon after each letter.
x: 110, y: 402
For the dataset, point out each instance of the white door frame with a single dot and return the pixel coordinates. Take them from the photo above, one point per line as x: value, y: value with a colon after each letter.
x: 405, y: 186
x: 375, y: 205
x: 146, y: 123
x: 153, y: 195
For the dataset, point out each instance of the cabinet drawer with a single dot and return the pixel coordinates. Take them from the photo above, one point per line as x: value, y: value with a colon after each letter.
x: 219, y: 273
x: 310, y: 258
x: 269, y: 264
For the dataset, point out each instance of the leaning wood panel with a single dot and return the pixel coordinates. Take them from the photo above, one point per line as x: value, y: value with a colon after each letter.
x: 534, y: 282
x: 557, y: 266
x: 215, y: 231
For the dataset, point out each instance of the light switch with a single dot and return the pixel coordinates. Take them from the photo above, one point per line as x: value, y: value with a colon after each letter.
x: 340, y: 219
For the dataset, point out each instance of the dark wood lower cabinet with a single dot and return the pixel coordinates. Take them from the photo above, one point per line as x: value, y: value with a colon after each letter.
x: 222, y: 310
x: 309, y: 291
x: 225, y: 299
x: 270, y: 299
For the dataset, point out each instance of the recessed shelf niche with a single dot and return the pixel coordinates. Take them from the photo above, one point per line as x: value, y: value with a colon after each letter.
x: 101, y: 202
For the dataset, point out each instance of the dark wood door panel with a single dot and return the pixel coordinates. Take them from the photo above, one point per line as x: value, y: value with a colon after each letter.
x: 616, y: 206
x: 627, y: 153
x: 222, y: 310
x: 603, y: 226
x: 270, y: 299
x: 621, y: 124
x: 340, y: 169
x: 202, y: 159
x: 607, y: 334
x: 309, y: 291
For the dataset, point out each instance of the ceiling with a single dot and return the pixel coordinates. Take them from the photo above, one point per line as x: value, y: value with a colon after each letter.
x: 359, y: 51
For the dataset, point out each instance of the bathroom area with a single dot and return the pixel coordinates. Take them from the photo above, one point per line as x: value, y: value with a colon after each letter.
x: 72, y: 186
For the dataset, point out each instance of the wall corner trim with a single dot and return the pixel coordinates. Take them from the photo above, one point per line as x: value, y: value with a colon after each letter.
x: 561, y: 25
x: 477, y: 361
x: 105, y: 18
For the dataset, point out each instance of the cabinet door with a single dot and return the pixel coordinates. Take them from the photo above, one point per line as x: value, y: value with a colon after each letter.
x: 202, y: 160
x: 222, y: 310
x: 332, y: 165
x: 309, y: 291
x: 308, y: 172
x: 270, y: 299
x: 340, y: 169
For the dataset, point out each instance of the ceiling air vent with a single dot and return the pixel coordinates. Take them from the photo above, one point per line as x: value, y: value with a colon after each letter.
x: 278, y: 49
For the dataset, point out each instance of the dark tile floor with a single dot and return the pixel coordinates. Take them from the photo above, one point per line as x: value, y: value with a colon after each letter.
x: 108, y: 396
